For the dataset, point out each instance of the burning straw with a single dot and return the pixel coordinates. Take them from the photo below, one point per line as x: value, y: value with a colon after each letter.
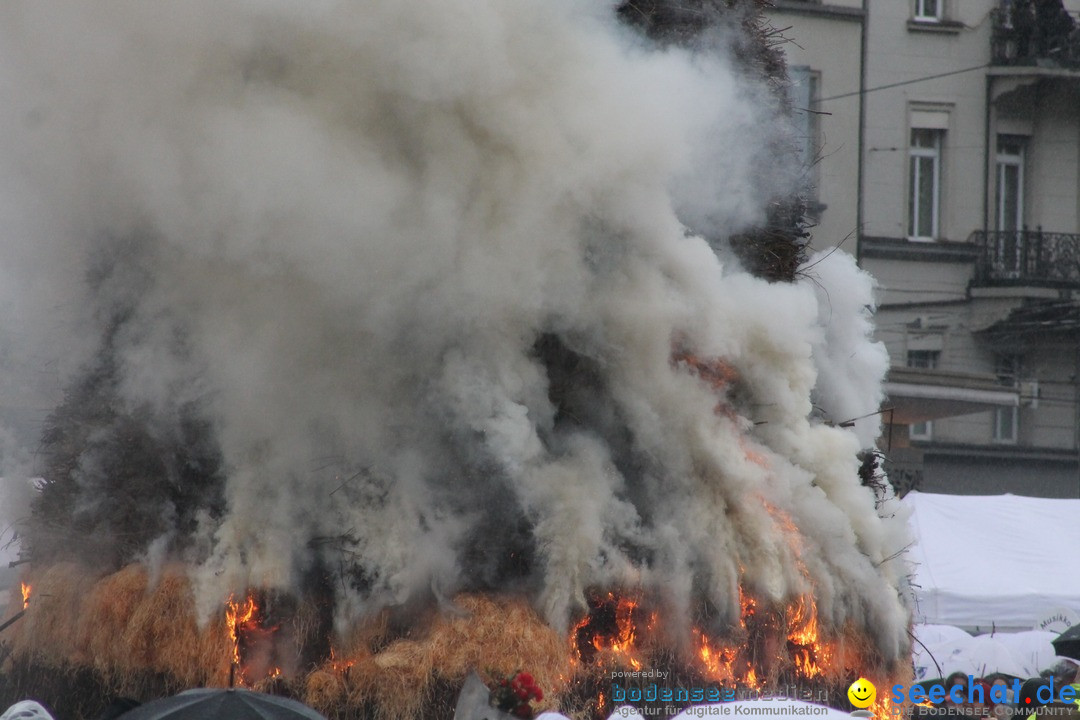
x: 494, y: 635
x: 121, y: 627
x: 127, y: 624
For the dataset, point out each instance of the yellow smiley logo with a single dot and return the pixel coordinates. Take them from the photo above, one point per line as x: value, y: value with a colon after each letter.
x: 862, y: 693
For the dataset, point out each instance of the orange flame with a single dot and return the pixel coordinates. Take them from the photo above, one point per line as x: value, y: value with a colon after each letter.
x: 341, y: 666
x: 615, y: 640
x: 882, y: 707
x: 718, y: 663
x: 615, y: 633
x: 723, y: 663
x: 714, y: 371
x: 239, y: 616
x: 810, y: 654
x: 25, y: 595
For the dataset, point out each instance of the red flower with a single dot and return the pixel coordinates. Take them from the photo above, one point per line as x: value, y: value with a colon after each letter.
x: 513, y: 695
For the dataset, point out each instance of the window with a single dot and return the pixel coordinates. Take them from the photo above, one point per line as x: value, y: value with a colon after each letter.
x: 803, y: 93
x: 924, y: 183
x: 927, y: 359
x: 1007, y: 368
x: 1010, y: 182
x: 928, y: 10
x: 1006, y: 422
x: 1007, y: 419
x: 1010, y: 204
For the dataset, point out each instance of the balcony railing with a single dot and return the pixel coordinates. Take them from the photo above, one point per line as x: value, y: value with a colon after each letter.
x: 1027, y: 257
x: 1030, y: 33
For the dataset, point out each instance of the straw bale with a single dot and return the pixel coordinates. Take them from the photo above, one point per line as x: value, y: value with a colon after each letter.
x: 325, y: 690
x: 495, y: 636
x: 104, y: 615
x: 396, y: 694
x: 48, y: 630
x: 142, y: 640
x: 397, y: 680
x: 372, y: 634
x: 163, y: 634
x: 308, y: 625
x: 499, y: 636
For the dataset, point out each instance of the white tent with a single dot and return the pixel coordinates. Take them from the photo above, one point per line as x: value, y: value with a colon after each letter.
x: 993, y: 562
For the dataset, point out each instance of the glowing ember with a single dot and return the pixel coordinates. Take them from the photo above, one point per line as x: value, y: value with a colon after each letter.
x: 718, y: 373
x: 717, y: 661
x: 341, y: 666
x: 618, y: 632
x: 809, y: 653
x: 882, y: 707
x: 25, y: 595
x: 239, y: 616
x: 609, y: 632
x: 748, y: 606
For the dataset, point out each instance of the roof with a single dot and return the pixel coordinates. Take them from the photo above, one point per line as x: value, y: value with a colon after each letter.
x: 1061, y: 316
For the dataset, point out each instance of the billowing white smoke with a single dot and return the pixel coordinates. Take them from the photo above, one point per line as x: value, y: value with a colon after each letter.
x: 419, y: 264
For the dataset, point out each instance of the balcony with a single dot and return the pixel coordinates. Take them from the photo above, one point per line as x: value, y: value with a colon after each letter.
x: 918, y: 394
x: 1047, y: 37
x: 1029, y: 258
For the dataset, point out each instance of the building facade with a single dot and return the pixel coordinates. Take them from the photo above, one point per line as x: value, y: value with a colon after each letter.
x: 828, y: 67
x: 968, y: 214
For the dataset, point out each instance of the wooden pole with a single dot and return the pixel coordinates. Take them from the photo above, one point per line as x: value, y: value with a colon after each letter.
x: 12, y: 619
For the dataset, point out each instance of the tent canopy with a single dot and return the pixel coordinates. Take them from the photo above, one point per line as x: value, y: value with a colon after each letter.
x: 996, y: 561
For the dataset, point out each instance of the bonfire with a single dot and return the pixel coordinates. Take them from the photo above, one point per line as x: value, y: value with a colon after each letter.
x: 420, y: 339
x: 142, y: 640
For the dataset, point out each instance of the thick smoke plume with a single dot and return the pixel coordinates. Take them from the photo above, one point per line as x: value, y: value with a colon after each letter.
x: 424, y: 287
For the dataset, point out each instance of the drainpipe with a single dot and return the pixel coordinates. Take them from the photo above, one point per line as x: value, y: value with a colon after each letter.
x: 988, y: 168
x: 863, y: 46
x: 1076, y: 402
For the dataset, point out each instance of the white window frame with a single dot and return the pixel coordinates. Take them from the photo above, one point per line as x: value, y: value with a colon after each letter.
x: 1007, y: 419
x: 1004, y: 162
x: 924, y: 13
x: 1009, y: 248
x: 916, y: 153
x: 927, y: 359
x: 921, y: 431
x: 803, y: 93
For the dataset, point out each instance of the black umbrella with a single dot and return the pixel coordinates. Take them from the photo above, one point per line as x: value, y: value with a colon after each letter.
x: 222, y: 704
x: 1068, y: 643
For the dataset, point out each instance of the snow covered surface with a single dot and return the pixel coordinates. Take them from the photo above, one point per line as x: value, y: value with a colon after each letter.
x: 993, y: 561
